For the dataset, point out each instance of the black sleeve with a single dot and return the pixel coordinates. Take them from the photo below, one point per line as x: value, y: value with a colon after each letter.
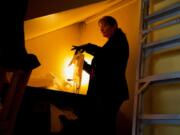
x: 87, y: 67
x: 92, y: 49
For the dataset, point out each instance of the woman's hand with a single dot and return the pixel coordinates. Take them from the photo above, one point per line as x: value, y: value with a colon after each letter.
x: 81, y: 48
x: 89, y: 48
x: 77, y: 49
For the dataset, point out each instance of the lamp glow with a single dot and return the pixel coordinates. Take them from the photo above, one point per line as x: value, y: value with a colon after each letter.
x: 68, y: 74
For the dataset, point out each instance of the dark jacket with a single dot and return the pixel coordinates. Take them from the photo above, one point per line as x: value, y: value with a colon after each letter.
x: 108, y: 79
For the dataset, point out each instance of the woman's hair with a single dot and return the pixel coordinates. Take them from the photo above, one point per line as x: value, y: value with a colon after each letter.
x: 109, y: 20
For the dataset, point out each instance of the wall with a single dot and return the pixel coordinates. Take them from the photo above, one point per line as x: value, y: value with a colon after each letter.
x: 53, y: 48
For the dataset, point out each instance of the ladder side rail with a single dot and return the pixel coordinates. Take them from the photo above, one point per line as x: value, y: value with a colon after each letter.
x: 139, y: 70
x: 139, y: 112
x: 143, y: 88
x: 140, y: 109
x: 144, y: 39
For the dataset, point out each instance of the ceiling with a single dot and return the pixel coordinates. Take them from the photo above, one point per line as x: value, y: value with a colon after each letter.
x: 55, y: 14
x: 38, y: 8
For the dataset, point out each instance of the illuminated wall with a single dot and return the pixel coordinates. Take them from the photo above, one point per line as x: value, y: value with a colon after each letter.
x: 53, y: 48
x: 53, y: 51
x: 58, y: 46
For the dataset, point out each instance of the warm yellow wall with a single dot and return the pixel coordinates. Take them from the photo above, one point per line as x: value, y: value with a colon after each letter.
x: 167, y: 58
x: 166, y: 62
x: 52, y: 49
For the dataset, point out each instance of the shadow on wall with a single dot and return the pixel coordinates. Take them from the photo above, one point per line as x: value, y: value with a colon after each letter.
x: 124, y: 124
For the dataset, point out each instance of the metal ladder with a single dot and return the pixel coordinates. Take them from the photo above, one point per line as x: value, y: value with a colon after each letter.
x: 152, y: 21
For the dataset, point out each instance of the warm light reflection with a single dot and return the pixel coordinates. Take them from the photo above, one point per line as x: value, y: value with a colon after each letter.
x: 68, y: 74
x: 68, y: 70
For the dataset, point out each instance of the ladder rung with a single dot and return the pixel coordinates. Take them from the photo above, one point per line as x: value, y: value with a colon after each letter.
x: 163, y: 14
x: 162, y: 77
x: 170, y: 43
x: 163, y: 25
x: 172, y: 40
x: 161, y: 118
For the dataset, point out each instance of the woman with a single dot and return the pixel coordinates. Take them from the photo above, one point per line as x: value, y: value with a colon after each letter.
x: 108, y: 86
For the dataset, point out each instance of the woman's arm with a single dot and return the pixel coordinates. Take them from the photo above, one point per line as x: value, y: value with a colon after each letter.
x: 92, y: 49
x: 89, y: 48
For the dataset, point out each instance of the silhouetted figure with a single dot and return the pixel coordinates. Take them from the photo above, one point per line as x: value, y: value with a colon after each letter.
x: 13, y: 53
x: 108, y: 87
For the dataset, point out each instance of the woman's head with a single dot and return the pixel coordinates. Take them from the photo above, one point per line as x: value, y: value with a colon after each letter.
x: 107, y: 26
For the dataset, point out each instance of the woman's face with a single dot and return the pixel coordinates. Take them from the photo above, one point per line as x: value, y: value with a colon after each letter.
x: 107, y: 30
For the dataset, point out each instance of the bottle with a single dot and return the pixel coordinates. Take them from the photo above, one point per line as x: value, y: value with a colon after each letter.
x: 78, y: 61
